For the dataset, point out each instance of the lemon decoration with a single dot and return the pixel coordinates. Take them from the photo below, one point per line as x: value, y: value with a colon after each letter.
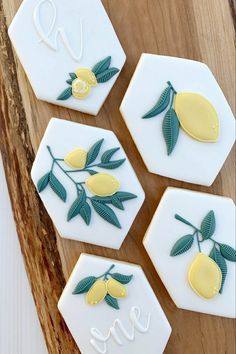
x: 197, y: 116
x: 102, y: 184
x: 86, y: 75
x: 76, y: 158
x: 116, y: 289
x: 83, y: 79
x: 190, y: 111
x: 97, y: 292
x: 205, y: 276
x: 104, y: 287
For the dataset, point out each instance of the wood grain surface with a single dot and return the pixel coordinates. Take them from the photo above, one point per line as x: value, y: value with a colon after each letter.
x: 196, y: 29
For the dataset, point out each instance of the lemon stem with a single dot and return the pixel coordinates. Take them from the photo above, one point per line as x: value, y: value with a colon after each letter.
x: 172, y: 87
x: 196, y: 232
x: 107, y: 272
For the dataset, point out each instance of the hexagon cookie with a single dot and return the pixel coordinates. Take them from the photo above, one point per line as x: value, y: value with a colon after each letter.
x: 110, y: 308
x: 179, y: 118
x: 69, y: 50
x: 191, y: 242
x: 86, y: 183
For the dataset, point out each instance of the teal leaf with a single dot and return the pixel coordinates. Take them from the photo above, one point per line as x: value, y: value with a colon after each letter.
x: 101, y: 66
x: 73, y: 76
x: 123, y: 196
x: 85, y: 213
x: 111, y: 165
x: 91, y: 172
x: 170, y: 130
x: 228, y: 252
x: 69, y: 81
x: 182, y: 245
x: 111, y: 301
x: 43, y: 182
x: 220, y: 261
x: 76, y: 206
x: 107, y: 155
x: 102, y: 199
x: 106, y: 213
x: 123, y: 279
x: 106, y: 75
x: 57, y: 187
x: 116, y: 202
x: 161, y: 104
x: 65, y: 94
x: 208, y: 225
x: 93, y: 152
x: 84, y: 285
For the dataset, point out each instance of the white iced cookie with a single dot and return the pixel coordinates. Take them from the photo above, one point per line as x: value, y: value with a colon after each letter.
x: 86, y: 183
x: 191, y: 242
x: 69, y: 50
x: 179, y: 118
x: 110, y: 308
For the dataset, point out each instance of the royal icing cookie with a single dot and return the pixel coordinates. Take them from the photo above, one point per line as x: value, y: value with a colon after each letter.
x: 191, y: 242
x: 69, y: 51
x: 179, y: 118
x: 86, y: 183
x: 110, y: 308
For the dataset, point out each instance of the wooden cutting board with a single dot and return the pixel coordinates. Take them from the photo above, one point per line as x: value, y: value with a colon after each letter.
x: 195, y: 29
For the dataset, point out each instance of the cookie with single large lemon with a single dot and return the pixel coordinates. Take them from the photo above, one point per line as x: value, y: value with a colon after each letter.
x: 97, y: 292
x: 204, y: 276
x: 197, y: 116
x: 87, y: 75
x: 116, y: 289
x: 76, y: 158
x: 102, y: 184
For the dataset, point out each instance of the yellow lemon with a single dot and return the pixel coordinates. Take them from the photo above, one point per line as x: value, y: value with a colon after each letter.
x: 197, y: 116
x: 76, y: 158
x: 204, y: 276
x: 97, y: 292
x: 102, y: 184
x: 87, y: 75
x: 80, y: 88
x: 116, y: 289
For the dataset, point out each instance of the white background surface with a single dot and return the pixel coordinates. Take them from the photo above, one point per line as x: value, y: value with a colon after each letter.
x: 20, y: 331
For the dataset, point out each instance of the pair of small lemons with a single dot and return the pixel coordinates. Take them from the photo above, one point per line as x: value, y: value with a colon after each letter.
x: 197, y: 116
x: 100, y: 184
x: 101, y: 288
x: 84, y: 82
x: 205, y: 276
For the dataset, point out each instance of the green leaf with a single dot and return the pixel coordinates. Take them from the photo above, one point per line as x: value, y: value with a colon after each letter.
x: 76, y: 206
x: 102, y: 199
x: 220, y: 261
x: 67, y: 93
x: 106, y: 75
x: 84, y: 285
x: 106, y: 213
x: 161, y: 104
x: 116, y: 202
x: 111, y: 301
x: 101, y: 66
x: 91, y: 172
x: 73, y: 76
x: 228, y: 252
x: 182, y: 245
x: 85, y: 213
x: 123, y: 279
x: 57, y: 187
x: 123, y: 196
x: 93, y: 152
x: 69, y: 81
x: 170, y: 130
x: 43, y: 182
x: 111, y: 165
x: 107, y: 155
x: 208, y: 225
